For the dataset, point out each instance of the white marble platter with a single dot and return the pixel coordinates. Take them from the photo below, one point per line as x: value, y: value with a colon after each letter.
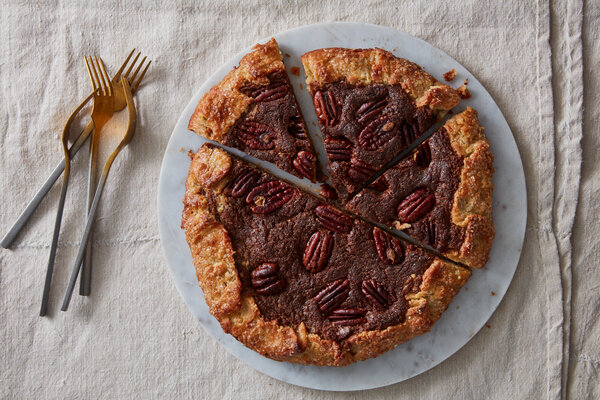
x: 470, y: 309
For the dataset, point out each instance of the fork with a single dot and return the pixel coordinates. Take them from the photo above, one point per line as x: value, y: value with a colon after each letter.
x: 123, y: 140
x: 101, y: 112
x: 33, y: 204
x: 119, y: 103
x: 61, y: 204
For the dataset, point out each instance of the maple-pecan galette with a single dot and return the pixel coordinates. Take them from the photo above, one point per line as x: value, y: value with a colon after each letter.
x: 303, y: 279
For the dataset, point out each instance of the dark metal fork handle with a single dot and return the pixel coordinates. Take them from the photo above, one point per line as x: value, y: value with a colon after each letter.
x: 57, y: 223
x: 10, y: 236
x: 61, y: 206
x: 83, y: 245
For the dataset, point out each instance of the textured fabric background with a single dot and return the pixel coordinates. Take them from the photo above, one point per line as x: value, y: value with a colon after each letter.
x: 135, y: 338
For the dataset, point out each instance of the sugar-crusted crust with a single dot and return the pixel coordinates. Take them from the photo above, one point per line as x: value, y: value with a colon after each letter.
x: 238, y: 314
x: 366, y: 66
x: 472, y: 206
x: 224, y: 104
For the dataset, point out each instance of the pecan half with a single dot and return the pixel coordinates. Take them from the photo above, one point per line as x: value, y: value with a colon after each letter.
x: 296, y: 127
x: 326, y: 108
x: 376, y: 292
x: 256, y: 136
x: 317, y: 252
x: 266, y: 279
x: 269, y: 196
x: 430, y: 233
x: 389, y: 249
x: 276, y: 89
x: 348, y: 316
x: 416, y: 205
x: 370, y: 110
x: 333, y: 295
x: 423, y: 155
x: 377, y: 133
x: 338, y: 149
x: 333, y: 219
x: 360, y: 172
x: 305, y: 163
x: 252, y: 89
x: 409, y: 132
x: 245, y: 182
x: 328, y: 192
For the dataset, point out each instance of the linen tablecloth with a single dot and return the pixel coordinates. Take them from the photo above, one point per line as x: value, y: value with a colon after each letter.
x: 135, y: 338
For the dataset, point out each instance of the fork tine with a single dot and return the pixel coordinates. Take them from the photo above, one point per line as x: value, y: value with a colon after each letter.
x: 131, y: 78
x: 105, y: 78
x: 131, y: 66
x: 137, y: 83
x: 87, y: 65
x: 102, y: 80
x: 95, y: 72
x: 117, y: 76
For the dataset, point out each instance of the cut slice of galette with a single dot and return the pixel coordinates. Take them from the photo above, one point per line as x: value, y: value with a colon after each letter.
x: 254, y: 109
x: 442, y: 193
x: 370, y: 105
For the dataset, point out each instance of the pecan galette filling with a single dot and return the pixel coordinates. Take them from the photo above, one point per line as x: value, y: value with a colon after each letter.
x: 304, y: 261
x: 364, y: 127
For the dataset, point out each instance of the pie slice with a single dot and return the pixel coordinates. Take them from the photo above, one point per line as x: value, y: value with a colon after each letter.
x: 254, y: 109
x: 371, y: 105
x: 297, y: 280
x: 442, y: 194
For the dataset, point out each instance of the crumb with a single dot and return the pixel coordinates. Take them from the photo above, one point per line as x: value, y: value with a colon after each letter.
x: 301, y: 86
x: 181, y: 150
x: 450, y: 112
x: 493, y: 293
x: 287, y: 55
x: 448, y: 76
x: 295, y: 71
x: 488, y: 326
x: 463, y: 92
x: 399, y: 226
x: 458, y: 307
x: 190, y: 154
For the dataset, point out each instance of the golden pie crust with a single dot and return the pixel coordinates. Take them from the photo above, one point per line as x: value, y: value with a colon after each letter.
x: 472, y: 206
x: 237, y: 312
x: 367, y: 66
x: 224, y: 104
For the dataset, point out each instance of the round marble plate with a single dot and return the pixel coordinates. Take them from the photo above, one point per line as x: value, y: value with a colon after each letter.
x: 470, y: 309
